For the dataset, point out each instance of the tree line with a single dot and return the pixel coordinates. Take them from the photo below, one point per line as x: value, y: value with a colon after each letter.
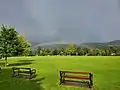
x: 72, y: 50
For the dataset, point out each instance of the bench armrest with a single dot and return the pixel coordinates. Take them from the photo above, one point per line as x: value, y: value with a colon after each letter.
x: 33, y: 71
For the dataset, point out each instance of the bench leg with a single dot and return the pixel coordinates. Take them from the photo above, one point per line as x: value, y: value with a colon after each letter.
x: 30, y: 77
x: 62, y: 80
x: 18, y: 74
x: 91, y: 81
x: 13, y: 75
x: 90, y: 86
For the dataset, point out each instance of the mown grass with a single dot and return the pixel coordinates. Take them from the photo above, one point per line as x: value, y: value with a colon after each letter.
x: 106, y: 71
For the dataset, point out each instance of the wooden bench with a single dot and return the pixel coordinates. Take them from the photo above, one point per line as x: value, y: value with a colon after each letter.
x: 17, y: 71
x: 71, y: 75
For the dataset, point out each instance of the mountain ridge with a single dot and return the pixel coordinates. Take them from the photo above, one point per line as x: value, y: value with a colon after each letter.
x: 64, y: 44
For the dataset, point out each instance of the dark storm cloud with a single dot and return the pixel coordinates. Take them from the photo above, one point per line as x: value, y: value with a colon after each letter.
x: 65, y: 20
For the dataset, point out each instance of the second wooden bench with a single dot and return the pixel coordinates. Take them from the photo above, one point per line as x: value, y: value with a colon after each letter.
x: 71, y: 75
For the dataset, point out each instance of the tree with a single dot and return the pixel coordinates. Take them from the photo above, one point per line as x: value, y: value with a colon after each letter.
x: 60, y: 51
x: 118, y: 51
x: 109, y: 50
x: 8, y: 37
x: 96, y: 52
x: 22, y: 47
x: 70, y: 50
x: 86, y: 50
x: 102, y: 52
x: 48, y: 51
x: 78, y: 50
x: 11, y: 43
x: 38, y: 51
x: 112, y: 49
x: 90, y: 53
x: 43, y: 51
x: 32, y: 53
x: 55, y: 52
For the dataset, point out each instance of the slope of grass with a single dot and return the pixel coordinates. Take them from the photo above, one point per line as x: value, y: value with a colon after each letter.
x: 106, y: 71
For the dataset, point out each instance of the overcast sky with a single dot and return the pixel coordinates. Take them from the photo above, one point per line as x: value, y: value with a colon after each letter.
x: 63, y: 20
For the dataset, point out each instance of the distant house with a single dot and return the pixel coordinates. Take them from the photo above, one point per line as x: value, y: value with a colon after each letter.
x: 113, y: 54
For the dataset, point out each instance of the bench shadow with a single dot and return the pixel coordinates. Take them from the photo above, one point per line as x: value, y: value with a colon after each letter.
x: 25, y: 76
x: 7, y: 82
x: 84, y: 84
x: 21, y: 62
x: 25, y: 60
x: 2, y: 64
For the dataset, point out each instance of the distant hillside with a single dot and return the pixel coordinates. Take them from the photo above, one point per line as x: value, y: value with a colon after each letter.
x: 93, y: 45
x: 99, y: 45
x: 55, y: 45
x: 52, y: 45
x: 115, y: 42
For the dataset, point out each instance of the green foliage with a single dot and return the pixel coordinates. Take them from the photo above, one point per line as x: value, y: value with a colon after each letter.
x: 38, y: 51
x: 55, y: 52
x: 70, y: 50
x: 8, y: 37
x: 11, y: 43
x: 22, y: 47
x: 85, y: 50
x: 43, y: 52
x: 102, y: 52
x: 61, y: 51
x: 80, y: 51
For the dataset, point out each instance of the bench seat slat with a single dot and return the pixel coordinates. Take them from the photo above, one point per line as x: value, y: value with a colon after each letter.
x: 24, y: 71
x: 77, y: 77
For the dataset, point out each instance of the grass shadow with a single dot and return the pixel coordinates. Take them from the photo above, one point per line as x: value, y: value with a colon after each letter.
x: 2, y: 64
x: 9, y: 83
x: 25, y: 76
x: 21, y: 62
x: 18, y: 63
x: 84, y: 84
x: 25, y: 60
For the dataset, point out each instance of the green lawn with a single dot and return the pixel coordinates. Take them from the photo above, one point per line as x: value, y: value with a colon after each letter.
x: 106, y: 71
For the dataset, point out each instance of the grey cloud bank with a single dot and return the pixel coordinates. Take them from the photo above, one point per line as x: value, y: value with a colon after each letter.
x: 64, y: 20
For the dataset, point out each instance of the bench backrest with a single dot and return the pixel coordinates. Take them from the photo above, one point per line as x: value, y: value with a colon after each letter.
x: 67, y: 74
x: 21, y: 69
x: 75, y: 72
x: 15, y: 68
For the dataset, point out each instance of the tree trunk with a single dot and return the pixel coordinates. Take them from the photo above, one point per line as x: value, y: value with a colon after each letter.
x: 6, y: 63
